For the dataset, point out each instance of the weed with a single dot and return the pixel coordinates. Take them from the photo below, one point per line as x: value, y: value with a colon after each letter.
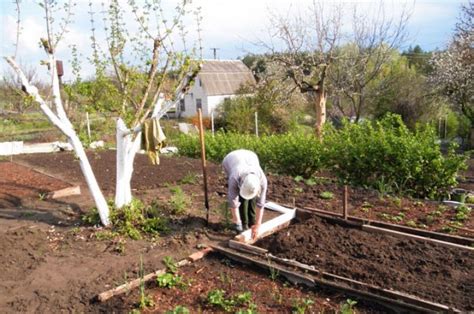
x: 168, y: 280
x: 178, y: 310
x: 298, y: 190
x: 397, y: 201
x: 310, y: 182
x: 190, y: 178
x: 326, y: 195
x: 274, y: 273
x: 411, y: 223
x: 301, y: 305
x: 105, y: 235
x: 348, y: 307
x: 42, y: 196
x: 462, y: 212
x: 120, y: 246
x: 131, y: 220
x: 145, y: 300
x: 225, y: 278
x: 170, y: 264
x: 92, y: 217
x: 178, y: 201
x: 397, y: 218
x: 218, y: 299
x: 298, y: 179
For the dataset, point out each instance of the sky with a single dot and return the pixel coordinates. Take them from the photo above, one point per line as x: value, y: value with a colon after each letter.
x: 232, y: 26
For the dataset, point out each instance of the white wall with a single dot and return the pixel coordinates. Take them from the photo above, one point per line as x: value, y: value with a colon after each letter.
x: 196, y: 92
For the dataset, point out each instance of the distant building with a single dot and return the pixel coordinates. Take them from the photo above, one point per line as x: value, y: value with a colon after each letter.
x: 216, y: 81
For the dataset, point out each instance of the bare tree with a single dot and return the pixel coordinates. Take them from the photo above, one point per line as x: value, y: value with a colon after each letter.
x: 371, y: 44
x: 308, y: 44
x: 320, y: 67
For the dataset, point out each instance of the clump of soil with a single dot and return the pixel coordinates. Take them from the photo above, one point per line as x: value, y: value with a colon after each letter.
x: 433, y: 272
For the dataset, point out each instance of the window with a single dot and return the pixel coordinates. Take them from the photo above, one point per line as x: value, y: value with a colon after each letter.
x: 198, y: 104
x: 181, y: 105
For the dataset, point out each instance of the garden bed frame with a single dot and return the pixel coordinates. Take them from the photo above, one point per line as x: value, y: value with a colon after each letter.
x: 242, y: 250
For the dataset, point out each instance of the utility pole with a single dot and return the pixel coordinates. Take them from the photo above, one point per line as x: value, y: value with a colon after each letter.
x: 215, y: 52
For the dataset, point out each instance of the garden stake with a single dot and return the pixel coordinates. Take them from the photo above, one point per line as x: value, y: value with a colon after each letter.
x: 203, y: 160
x: 344, y: 206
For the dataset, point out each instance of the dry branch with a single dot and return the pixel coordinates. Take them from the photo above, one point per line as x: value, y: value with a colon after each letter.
x: 104, y: 296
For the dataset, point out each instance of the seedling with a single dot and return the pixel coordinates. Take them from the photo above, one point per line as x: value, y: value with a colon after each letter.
x: 145, y: 300
x: 274, y: 273
x: 411, y: 223
x: 168, y: 280
x: 190, y: 178
x: 348, y: 307
x: 178, y: 201
x: 178, y: 310
x: 298, y: 179
x: 42, y: 196
x: 301, y: 305
x: 170, y: 264
x: 217, y: 298
x: 462, y: 212
x: 326, y: 195
x: 310, y: 182
x: 298, y: 190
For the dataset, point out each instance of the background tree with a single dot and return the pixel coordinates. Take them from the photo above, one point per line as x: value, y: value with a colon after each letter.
x: 454, y: 67
x: 372, y: 43
x: 308, y: 43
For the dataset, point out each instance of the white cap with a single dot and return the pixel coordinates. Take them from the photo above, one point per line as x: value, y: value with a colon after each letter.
x: 250, y: 187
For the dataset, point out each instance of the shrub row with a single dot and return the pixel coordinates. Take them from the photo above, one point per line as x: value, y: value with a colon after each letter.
x: 384, y: 155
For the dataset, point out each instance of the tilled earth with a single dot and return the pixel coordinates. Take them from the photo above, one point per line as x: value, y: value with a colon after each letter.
x: 431, y: 271
x: 52, y: 262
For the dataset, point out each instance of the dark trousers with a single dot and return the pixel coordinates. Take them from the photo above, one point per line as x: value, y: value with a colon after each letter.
x: 247, y: 210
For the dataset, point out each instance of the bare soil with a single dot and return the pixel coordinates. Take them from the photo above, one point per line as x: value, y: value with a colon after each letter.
x: 433, y: 272
x: 52, y: 262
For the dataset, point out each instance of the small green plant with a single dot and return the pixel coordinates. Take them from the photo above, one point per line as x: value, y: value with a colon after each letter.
x: 462, y: 212
x: 326, y: 195
x: 170, y: 264
x: 348, y: 307
x: 274, y: 273
x: 189, y: 178
x: 310, y: 182
x: 168, y: 280
x: 179, y: 201
x: 301, y: 305
x: 105, y: 235
x: 217, y: 298
x: 42, y: 196
x: 179, y: 309
x: 145, y: 300
x: 298, y: 179
x: 298, y: 190
x: 397, y: 201
x: 92, y: 217
x: 411, y: 223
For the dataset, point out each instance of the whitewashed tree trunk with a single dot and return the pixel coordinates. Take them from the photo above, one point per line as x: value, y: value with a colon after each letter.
x: 61, y: 121
x: 127, y: 148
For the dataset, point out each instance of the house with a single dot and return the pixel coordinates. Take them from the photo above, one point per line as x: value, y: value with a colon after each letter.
x: 216, y: 81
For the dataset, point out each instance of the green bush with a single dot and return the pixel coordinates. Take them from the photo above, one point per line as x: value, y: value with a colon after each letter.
x: 387, y: 156
x: 294, y: 154
x: 384, y: 155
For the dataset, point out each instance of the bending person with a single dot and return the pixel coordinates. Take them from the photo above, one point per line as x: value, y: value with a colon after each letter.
x: 247, y: 189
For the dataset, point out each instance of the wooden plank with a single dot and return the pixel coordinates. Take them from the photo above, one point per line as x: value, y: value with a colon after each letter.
x: 73, y: 190
x: 415, y: 237
x: 277, y: 208
x: 241, y: 246
x: 268, y: 227
x: 104, y: 296
x: 347, y: 285
x: 404, y: 229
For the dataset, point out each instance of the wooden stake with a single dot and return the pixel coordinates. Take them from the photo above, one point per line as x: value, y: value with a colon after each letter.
x: 344, y: 206
x: 203, y: 160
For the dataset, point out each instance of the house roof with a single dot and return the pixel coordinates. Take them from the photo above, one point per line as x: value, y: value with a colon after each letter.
x: 220, y: 77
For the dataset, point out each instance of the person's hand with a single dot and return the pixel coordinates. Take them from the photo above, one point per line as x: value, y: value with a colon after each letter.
x: 255, y: 230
